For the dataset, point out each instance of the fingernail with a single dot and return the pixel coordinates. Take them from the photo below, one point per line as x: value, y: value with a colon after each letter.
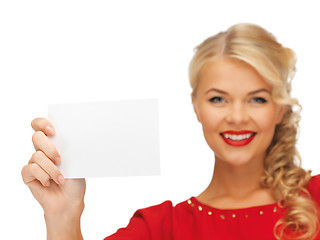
x: 50, y: 130
x: 61, y: 179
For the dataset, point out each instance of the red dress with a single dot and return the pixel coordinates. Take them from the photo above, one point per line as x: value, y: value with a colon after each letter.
x: 192, y: 220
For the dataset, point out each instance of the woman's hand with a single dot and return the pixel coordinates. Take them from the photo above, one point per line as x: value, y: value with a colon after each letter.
x: 61, y: 199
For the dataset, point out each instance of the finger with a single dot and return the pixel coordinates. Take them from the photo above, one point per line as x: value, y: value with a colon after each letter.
x: 32, y: 172
x: 41, y: 142
x: 44, y: 125
x: 36, y: 190
x: 48, y: 166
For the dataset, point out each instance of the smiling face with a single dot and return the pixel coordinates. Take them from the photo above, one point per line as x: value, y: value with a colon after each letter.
x: 235, y: 107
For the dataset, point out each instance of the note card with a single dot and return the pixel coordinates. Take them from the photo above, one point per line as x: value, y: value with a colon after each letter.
x: 107, y: 139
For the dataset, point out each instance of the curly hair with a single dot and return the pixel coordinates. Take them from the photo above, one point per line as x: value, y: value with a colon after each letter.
x: 283, y: 173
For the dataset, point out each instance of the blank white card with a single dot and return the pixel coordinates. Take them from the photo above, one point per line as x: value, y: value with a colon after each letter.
x: 107, y: 139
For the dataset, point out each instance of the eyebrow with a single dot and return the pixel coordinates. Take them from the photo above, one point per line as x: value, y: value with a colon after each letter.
x: 250, y: 93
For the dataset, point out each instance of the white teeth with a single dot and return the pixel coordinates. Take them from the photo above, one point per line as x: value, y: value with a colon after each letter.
x: 238, y: 137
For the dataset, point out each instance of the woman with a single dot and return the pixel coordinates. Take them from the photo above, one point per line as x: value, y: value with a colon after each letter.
x: 240, y: 83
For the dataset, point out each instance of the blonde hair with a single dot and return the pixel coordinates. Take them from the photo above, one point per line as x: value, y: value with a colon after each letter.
x: 252, y: 44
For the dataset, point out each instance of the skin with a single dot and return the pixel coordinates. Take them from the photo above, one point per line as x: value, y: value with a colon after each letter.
x: 61, y: 199
x: 231, y: 95
x: 235, y: 182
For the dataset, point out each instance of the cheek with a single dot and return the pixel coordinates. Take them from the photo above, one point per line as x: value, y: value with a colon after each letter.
x: 266, y: 125
x: 210, y: 119
x: 266, y: 120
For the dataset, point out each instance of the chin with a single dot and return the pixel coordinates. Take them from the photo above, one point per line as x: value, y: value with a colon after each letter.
x: 235, y: 161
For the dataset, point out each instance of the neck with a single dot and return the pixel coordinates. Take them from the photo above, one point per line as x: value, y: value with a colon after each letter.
x: 235, y: 181
x: 236, y: 184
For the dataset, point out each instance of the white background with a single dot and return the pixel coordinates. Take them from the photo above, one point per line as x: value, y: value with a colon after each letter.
x: 70, y: 51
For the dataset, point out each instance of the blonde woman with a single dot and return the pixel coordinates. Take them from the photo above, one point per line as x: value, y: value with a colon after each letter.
x: 241, y: 83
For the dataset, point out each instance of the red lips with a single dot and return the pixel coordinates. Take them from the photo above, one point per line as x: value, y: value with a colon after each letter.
x: 238, y: 132
x: 238, y: 143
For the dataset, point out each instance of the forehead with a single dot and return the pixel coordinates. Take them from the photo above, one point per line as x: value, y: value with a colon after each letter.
x: 232, y: 76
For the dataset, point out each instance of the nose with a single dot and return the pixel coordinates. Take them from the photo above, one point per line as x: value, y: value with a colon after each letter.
x: 238, y: 113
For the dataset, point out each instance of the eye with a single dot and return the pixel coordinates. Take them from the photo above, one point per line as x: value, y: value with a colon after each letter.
x: 217, y: 100
x: 259, y: 100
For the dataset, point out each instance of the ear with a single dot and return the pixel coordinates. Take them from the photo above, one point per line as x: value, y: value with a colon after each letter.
x: 194, y: 103
x: 282, y: 110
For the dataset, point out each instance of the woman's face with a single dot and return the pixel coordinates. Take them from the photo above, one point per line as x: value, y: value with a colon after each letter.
x: 235, y: 107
